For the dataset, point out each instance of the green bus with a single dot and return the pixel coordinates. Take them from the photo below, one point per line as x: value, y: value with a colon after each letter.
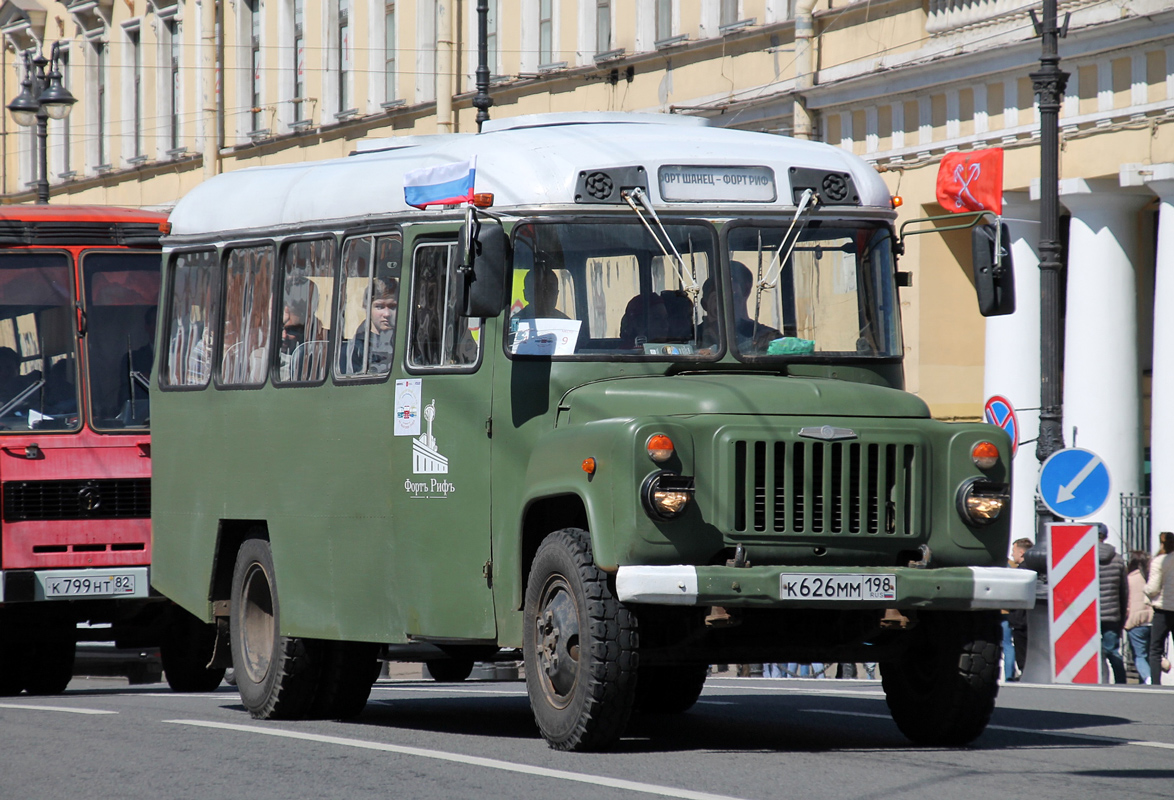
x: 642, y: 412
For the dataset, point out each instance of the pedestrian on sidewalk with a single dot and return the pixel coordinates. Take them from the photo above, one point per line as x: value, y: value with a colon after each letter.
x: 1114, y: 601
x: 1160, y: 590
x: 1139, y: 614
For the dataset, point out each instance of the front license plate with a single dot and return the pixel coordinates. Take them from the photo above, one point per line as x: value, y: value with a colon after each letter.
x: 808, y: 586
x: 107, y: 585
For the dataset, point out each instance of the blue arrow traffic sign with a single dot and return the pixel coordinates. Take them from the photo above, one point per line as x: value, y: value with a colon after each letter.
x: 999, y: 411
x: 1074, y: 483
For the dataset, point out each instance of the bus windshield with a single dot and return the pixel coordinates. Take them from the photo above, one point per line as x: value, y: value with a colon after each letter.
x: 823, y: 290
x: 121, y: 290
x: 38, y: 355
x: 599, y: 290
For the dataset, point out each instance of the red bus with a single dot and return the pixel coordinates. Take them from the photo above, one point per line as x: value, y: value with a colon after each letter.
x: 79, y: 286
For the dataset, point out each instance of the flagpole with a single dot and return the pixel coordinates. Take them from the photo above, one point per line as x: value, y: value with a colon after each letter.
x: 1049, y: 83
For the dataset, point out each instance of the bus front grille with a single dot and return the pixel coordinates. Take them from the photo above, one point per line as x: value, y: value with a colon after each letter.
x: 78, y: 499
x: 828, y: 488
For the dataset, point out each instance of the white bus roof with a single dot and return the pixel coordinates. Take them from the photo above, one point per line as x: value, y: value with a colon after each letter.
x: 525, y: 162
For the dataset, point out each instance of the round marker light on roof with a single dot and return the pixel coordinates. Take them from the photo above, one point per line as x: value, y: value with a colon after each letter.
x: 984, y: 455
x: 660, y: 448
x: 897, y: 201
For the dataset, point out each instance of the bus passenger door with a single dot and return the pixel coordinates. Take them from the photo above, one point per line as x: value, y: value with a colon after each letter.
x: 441, y: 476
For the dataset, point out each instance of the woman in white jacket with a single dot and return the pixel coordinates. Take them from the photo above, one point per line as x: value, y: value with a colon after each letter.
x: 1160, y: 589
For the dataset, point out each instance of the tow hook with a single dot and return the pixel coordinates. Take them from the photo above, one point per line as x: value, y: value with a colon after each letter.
x: 895, y: 620
x: 719, y: 616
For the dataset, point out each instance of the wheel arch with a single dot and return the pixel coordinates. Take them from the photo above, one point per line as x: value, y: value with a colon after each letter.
x: 230, y: 535
x: 541, y: 517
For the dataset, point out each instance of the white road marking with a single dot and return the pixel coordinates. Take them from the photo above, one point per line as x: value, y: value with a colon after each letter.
x: 1036, y: 731
x: 66, y: 709
x: 520, y: 692
x: 476, y: 761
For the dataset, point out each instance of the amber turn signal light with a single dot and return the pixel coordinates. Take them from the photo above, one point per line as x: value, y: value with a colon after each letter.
x: 660, y: 448
x: 985, y: 455
x: 483, y: 199
x: 589, y: 466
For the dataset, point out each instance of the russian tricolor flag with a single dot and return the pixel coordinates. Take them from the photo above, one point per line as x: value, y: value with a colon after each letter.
x: 447, y: 184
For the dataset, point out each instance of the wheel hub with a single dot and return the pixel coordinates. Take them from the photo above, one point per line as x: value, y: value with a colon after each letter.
x: 557, y: 643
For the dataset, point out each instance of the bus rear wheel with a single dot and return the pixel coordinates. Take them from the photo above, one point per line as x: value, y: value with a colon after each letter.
x: 941, y: 691
x: 349, y: 670
x: 580, y: 646
x: 277, y: 676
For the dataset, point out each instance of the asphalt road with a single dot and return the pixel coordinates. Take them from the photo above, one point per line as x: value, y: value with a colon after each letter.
x: 746, y: 738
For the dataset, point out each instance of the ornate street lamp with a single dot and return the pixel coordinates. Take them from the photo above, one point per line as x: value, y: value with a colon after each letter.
x: 42, y: 97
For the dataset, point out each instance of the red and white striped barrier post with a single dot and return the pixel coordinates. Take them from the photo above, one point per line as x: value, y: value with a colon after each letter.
x: 1074, y: 603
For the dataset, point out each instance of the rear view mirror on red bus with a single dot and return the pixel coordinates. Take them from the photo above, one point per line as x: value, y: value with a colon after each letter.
x: 994, y: 273
x: 483, y: 258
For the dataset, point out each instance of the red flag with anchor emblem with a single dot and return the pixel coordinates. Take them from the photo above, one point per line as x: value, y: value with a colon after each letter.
x: 971, y: 181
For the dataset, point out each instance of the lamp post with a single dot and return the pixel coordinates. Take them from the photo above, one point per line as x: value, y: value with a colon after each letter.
x: 42, y: 97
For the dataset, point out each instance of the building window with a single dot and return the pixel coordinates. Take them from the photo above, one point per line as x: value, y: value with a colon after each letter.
x: 602, y: 26
x: 664, y: 20
x: 344, y: 54
x: 173, y: 45
x: 299, y: 59
x: 100, y: 100
x: 389, y: 87
x: 729, y: 12
x: 253, y: 9
x: 136, y: 62
x: 65, y: 143
x: 490, y: 38
x: 545, y: 32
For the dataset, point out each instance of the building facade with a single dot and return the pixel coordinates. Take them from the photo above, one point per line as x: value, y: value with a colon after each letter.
x: 172, y: 91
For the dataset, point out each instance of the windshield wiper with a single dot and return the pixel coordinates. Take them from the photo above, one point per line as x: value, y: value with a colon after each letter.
x: 685, y: 277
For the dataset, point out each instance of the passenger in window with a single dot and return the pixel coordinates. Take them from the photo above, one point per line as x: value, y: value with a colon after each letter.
x: 370, y: 350
x: 645, y: 320
x: 12, y: 383
x: 293, y: 334
x: 753, y: 336
x: 540, y: 290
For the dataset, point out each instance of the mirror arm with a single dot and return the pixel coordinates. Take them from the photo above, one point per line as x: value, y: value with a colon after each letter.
x: 966, y: 221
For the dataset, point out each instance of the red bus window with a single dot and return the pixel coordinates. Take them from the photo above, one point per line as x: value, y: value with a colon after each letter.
x: 38, y: 336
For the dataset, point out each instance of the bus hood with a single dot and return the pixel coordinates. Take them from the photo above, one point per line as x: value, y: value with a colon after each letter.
x: 737, y: 393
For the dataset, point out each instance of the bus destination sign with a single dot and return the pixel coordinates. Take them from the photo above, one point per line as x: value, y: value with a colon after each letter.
x: 688, y: 184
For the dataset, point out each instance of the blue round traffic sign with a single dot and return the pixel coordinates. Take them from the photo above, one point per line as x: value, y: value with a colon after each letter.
x: 1074, y: 483
x: 999, y: 411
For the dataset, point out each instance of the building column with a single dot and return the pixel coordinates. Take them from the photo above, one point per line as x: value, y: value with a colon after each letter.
x: 1162, y: 386
x: 1101, y: 376
x: 1012, y: 361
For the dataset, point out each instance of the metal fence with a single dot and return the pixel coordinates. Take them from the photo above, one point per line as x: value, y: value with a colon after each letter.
x: 1135, y: 523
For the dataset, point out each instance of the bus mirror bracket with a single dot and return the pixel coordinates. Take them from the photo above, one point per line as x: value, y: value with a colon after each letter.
x: 990, y: 251
x: 482, y: 256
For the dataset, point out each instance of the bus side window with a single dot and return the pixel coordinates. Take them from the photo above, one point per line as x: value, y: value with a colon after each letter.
x: 248, y: 312
x: 367, y: 307
x: 440, y: 336
x: 307, y: 310
x: 192, y: 309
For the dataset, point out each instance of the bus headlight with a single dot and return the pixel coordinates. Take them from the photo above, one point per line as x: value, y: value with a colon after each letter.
x: 980, y: 502
x: 666, y: 495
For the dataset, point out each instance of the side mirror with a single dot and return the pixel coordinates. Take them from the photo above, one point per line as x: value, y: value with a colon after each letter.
x: 482, y: 257
x: 994, y: 274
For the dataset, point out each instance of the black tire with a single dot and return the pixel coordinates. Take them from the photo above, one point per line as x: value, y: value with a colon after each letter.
x: 277, y: 676
x: 12, y: 655
x: 186, y: 651
x: 49, y: 665
x: 580, y: 646
x: 669, y: 689
x: 449, y: 670
x: 942, y: 691
x: 349, y: 670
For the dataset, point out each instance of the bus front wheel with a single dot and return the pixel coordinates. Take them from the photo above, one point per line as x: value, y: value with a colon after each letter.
x: 277, y: 676
x: 941, y: 690
x: 580, y: 647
